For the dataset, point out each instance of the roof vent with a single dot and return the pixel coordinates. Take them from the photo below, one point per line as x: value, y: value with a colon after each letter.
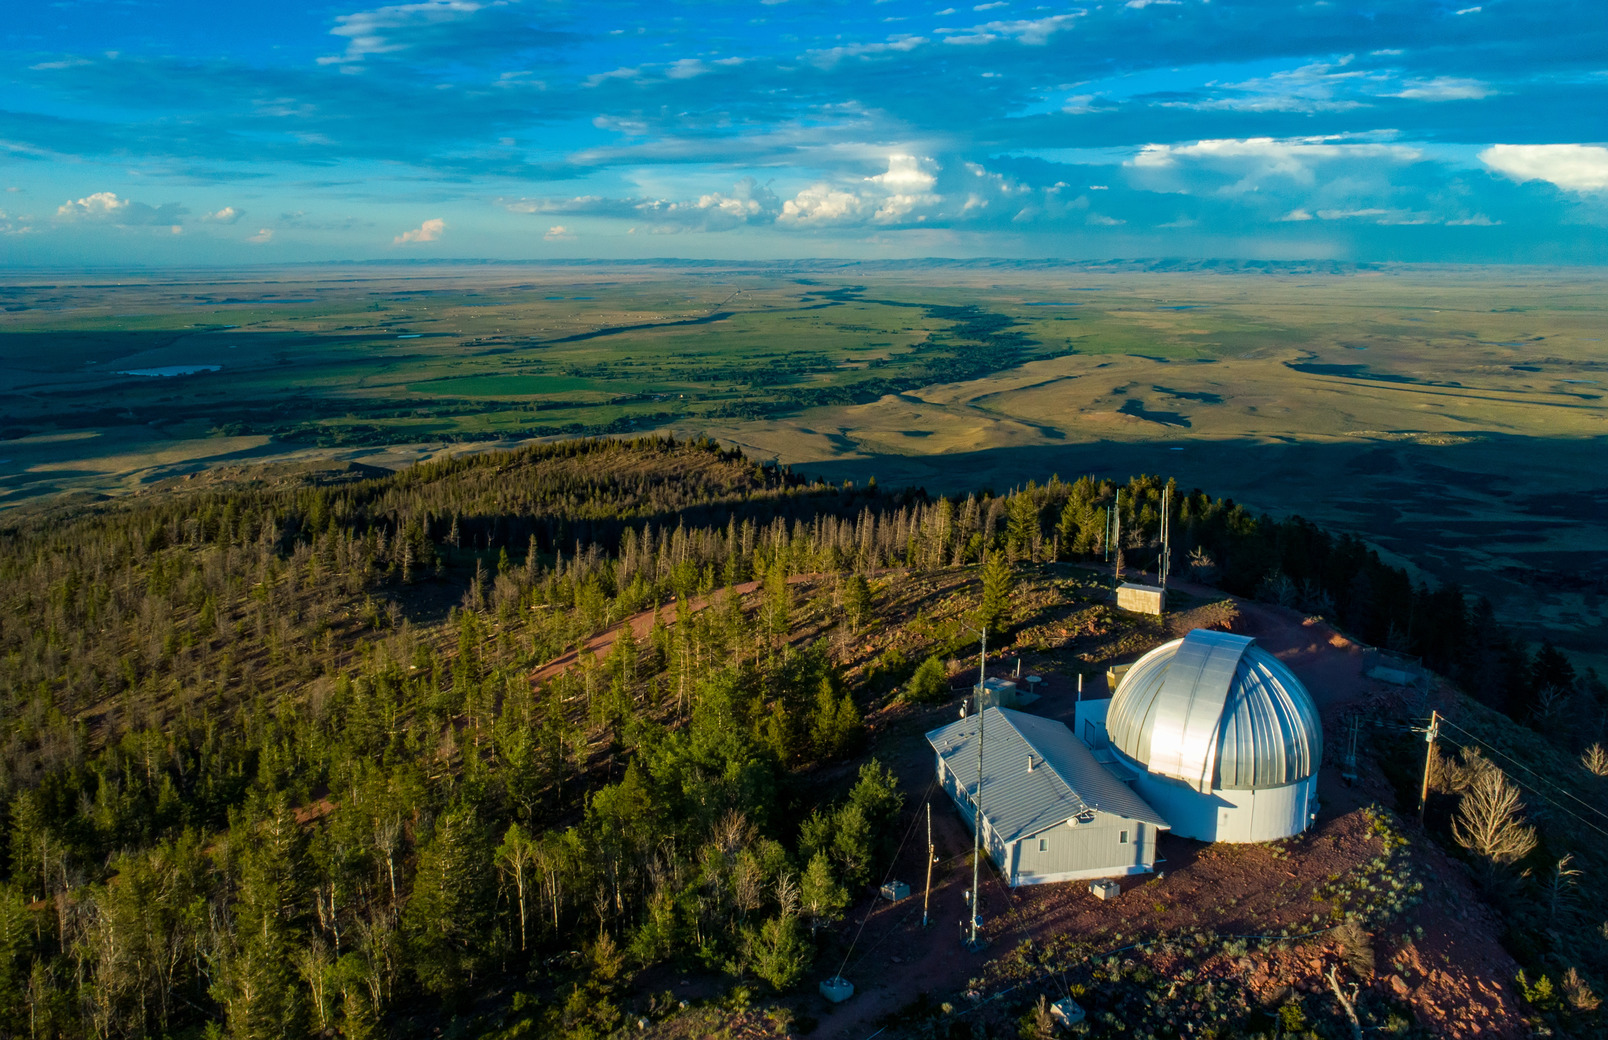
x: 1029, y: 763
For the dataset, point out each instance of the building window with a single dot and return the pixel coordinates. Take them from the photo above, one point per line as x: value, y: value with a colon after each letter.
x: 1122, y: 837
x: 1044, y: 845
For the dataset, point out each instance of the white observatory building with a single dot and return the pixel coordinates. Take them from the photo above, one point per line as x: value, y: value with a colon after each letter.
x: 1217, y: 734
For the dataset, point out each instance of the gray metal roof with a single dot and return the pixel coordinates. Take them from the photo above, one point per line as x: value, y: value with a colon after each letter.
x: 1065, y: 779
x: 1217, y: 711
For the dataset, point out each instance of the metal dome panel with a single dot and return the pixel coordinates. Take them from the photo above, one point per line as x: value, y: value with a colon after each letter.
x: 1216, y: 711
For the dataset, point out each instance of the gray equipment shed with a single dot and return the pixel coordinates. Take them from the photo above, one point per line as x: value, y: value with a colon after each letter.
x: 997, y: 693
x: 1051, y: 811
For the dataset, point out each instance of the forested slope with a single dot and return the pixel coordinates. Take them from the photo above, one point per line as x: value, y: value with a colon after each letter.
x: 274, y: 761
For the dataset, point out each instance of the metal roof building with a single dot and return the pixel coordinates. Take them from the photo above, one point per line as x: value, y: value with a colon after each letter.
x: 1221, y: 735
x: 1051, y: 810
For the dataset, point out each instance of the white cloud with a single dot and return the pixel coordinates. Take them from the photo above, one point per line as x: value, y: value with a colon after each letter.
x: 376, y: 31
x: 1314, y: 87
x: 1377, y: 215
x: 100, y: 206
x: 1444, y: 88
x: 1101, y: 220
x: 1572, y: 167
x: 262, y: 235
x: 12, y: 225
x: 1289, y: 157
x: 226, y: 215
x: 1295, y: 215
x: 820, y: 204
x: 906, y: 173
x: 1477, y: 220
x: 829, y: 56
x: 104, y: 207
x: 429, y: 231
x: 909, y: 185
x: 1031, y: 31
x: 560, y: 233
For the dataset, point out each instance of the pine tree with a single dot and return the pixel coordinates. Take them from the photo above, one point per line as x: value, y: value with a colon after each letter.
x: 998, y: 583
x: 448, y: 916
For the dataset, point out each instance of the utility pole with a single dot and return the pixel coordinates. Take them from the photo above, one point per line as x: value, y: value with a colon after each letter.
x: 977, y: 802
x: 927, y: 899
x: 1429, y: 760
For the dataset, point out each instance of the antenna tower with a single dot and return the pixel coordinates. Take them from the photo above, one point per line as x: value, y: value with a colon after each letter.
x: 977, y: 801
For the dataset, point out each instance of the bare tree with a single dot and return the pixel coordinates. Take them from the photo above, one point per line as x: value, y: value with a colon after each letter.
x: 1560, y: 886
x: 1578, y: 993
x: 1595, y: 760
x: 1490, y: 819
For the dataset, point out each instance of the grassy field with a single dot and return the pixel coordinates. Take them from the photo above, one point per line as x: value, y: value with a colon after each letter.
x: 1454, y: 416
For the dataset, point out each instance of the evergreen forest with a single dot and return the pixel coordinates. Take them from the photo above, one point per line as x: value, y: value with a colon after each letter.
x: 282, y: 758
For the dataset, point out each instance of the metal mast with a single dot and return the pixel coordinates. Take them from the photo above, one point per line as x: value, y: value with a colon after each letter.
x: 1166, y: 537
x: 977, y: 801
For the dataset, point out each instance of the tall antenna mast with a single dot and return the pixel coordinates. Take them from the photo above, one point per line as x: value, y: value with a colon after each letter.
x: 1165, y: 563
x: 977, y: 802
x: 1116, y: 536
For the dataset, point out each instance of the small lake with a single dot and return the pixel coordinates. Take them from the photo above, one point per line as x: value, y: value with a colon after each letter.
x: 169, y: 370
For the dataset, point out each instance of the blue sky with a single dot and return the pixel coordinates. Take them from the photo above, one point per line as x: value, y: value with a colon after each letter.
x: 141, y: 131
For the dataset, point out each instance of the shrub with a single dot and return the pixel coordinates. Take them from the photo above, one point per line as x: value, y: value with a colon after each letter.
x: 930, y: 683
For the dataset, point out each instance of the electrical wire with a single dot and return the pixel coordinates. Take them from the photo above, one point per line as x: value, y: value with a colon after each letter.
x: 889, y: 873
x: 1538, y: 793
x: 1016, y: 918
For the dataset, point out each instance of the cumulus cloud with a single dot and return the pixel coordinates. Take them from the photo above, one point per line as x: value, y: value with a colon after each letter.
x: 559, y: 233
x: 1578, y: 168
x: 821, y: 204
x: 226, y: 215
x: 908, y: 183
x: 429, y: 231
x: 262, y: 235
x: 105, y: 207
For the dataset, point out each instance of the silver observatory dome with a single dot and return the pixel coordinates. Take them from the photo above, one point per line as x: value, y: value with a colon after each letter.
x: 1218, y: 712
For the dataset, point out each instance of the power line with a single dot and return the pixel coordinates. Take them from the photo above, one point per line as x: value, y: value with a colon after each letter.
x: 1540, y: 794
x: 1528, y: 769
x: 889, y: 873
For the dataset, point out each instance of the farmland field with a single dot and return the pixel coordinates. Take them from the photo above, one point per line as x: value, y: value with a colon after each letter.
x: 1455, y: 417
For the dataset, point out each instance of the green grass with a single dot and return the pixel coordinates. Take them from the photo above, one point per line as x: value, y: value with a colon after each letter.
x: 521, y: 385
